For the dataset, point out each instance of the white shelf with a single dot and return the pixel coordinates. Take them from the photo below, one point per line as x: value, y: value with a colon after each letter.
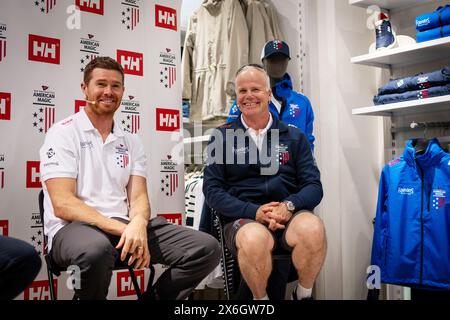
x: 197, y: 139
x: 388, y: 4
x: 408, y: 107
x: 407, y: 56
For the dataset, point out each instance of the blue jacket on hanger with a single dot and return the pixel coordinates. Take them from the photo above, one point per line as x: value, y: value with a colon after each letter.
x: 411, y: 242
x: 296, y: 109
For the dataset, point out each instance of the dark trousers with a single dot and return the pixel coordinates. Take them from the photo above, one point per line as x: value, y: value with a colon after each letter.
x: 19, y: 265
x: 191, y: 255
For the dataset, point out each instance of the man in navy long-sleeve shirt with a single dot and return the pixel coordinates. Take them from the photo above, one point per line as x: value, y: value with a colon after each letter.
x: 262, y: 178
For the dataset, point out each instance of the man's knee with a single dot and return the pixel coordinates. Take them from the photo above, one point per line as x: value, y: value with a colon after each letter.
x: 305, y: 227
x: 254, y: 237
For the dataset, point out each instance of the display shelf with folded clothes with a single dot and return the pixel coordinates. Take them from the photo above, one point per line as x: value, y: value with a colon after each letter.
x: 420, y: 86
x: 433, y: 25
x: 420, y: 81
x: 412, y: 95
x: 431, y: 20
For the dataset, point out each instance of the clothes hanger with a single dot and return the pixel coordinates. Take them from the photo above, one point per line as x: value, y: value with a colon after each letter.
x: 420, y: 144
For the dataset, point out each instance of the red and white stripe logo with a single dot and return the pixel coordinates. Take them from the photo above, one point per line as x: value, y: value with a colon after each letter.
x: 2, y: 48
x: 2, y: 178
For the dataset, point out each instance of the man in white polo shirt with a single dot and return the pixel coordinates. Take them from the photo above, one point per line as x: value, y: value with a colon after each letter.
x: 96, y: 203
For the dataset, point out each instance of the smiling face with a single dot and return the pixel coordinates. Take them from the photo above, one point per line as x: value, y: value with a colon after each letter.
x: 105, y: 87
x: 253, y: 93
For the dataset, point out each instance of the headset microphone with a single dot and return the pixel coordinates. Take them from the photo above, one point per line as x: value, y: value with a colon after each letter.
x: 91, y: 101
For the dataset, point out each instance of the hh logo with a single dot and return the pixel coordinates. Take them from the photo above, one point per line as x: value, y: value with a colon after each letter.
x: 79, y: 104
x: 5, y: 106
x: 132, y: 62
x: 92, y: 6
x: 4, y: 228
x: 165, y: 17
x: 125, y: 285
x: 43, y: 49
x: 39, y: 290
x: 33, y: 179
x: 167, y: 120
x: 174, y: 218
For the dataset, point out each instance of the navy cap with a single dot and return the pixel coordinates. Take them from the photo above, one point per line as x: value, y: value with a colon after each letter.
x: 275, y: 46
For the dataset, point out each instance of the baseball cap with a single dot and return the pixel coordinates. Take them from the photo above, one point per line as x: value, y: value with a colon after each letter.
x: 275, y: 46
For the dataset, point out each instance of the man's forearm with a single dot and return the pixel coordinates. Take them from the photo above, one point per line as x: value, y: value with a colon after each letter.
x: 74, y: 209
x: 140, y: 209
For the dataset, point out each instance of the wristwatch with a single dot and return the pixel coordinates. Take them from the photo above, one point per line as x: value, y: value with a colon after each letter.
x: 289, y: 205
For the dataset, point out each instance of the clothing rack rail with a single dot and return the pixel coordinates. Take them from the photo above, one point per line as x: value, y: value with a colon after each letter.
x: 422, y: 125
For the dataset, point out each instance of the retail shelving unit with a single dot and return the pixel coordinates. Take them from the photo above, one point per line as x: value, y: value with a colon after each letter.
x: 407, y: 107
x: 406, y: 56
x: 403, y: 57
x: 388, y: 4
x: 398, y: 59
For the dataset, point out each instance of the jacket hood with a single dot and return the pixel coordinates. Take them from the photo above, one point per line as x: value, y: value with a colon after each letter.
x: 283, y: 87
x: 213, y: 6
x: 432, y: 155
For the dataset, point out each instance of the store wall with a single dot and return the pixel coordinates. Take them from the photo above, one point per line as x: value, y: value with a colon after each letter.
x: 40, y: 85
x: 348, y: 148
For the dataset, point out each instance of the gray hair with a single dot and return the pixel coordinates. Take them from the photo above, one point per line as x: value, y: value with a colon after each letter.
x: 254, y: 66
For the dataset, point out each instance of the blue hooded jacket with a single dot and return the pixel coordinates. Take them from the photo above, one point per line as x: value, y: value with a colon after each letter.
x: 295, y: 110
x: 411, y: 242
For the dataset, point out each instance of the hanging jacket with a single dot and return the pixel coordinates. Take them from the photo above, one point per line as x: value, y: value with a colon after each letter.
x: 411, y: 242
x: 216, y: 45
x: 296, y: 110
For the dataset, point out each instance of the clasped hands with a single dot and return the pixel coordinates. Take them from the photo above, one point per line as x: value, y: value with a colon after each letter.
x: 274, y: 215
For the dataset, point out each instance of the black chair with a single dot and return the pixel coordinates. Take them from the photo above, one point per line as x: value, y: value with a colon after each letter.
x: 235, y: 287
x: 55, y: 270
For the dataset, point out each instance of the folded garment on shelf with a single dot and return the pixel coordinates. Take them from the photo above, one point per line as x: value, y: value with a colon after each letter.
x: 432, y: 34
x: 412, y: 95
x: 435, y: 19
x: 417, y: 82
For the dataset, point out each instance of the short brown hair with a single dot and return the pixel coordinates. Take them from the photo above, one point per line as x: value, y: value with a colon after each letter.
x: 102, y: 63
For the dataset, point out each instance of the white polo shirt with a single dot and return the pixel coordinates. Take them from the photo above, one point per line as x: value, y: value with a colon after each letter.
x: 258, y: 137
x: 73, y: 148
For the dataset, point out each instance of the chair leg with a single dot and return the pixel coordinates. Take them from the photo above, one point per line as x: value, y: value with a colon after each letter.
x: 51, y: 280
x: 135, y: 283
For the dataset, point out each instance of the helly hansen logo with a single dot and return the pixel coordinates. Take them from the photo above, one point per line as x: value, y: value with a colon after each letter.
x: 167, y: 120
x: 40, y: 290
x: 92, y: 6
x: 5, y: 106
x: 125, y: 285
x: 43, y: 49
x: 79, y: 105
x: 33, y: 174
x: 165, y: 17
x: 132, y: 62
x: 4, y: 228
x: 174, y: 218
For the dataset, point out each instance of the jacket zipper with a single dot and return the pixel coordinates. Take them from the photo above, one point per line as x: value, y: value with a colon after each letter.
x: 421, y: 222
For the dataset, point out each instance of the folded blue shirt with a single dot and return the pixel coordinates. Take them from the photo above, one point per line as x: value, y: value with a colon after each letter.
x: 432, y: 34
x: 412, y: 95
x: 418, y: 82
x: 431, y: 20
